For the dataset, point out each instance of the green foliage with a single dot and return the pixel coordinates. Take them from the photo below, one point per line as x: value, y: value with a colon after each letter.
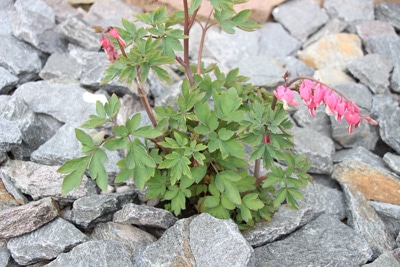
x: 195, y: 155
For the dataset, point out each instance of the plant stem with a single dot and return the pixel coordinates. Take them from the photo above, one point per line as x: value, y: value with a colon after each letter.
x: 186, y: 30
x: 143, y: 98
x: 203, y: 38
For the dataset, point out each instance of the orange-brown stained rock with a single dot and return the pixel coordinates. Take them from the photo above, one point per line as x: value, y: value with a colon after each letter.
x: 7, y: 198
x: 375, y: 183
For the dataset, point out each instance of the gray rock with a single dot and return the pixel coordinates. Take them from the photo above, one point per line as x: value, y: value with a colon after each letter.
x: 217, y: 42
x: 78, y: 32
x: 65, y: 102
x: 385, y: 45
x: 95, y: 253
x: 395, y: 79
x: 20, y: 58
x: 382, y: 105
x: 318, y: 148
x: 334, y: 25
x: 6, y: 7
x: 262, y: 70
x: 374, y: 28
x: 10, y: 135
x: 4, y: 253
x: 366, y: 222
x: 33, y: 130
x: 317, y: 199
x: 275, y: 41
x: 295, y: 17
x: 133, y: 238
x: 11, y: 189
x: 312, y: 245
x: 332, y: 75
x: 27, y: 218
x: 388, y: 12
x: 60, y: 66
x: 62, y: 10
x: 34, y: 22
x: 89, y: 210
x: 351, y: 11
x: 39, y: 181
x: 7, y: 82
x: 365, y: 135
x: 373, y: 70
x: 45, y: 243
x: 297, y: 67
x: 360, y: 154
x: 109, y: 13
x: 144, y: 215
x: 390, y: 215
x: 198, y: 241
x: 392, y: 161
x: 320, y: 123
x: 388, y: 128
x: 357, y: 93
x: 387, y: 259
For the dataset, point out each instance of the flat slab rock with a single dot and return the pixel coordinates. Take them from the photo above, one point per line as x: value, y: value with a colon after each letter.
x: 324, y: 242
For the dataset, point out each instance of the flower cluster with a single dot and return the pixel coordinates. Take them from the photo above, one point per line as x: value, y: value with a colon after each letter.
x: 315, y: 93
x: 108, y: 45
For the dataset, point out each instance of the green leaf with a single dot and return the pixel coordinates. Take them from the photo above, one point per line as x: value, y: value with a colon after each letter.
x: 219, y: 212
x: 194, y: 4
x: 171, y: 44
x: 171, y: 192
x: 94, y: 122
x: 133, y: 122
x: 232, y: 193
x: 100, y: 110
x: 120, y: 130
x: 280, y: 196
x: 178, y: 203
x: 245, y: 213
x: 96, y: 168
x: 226, y: 203
x: 161, y: 73
x: 252, y: 201
x: 84, y: 138
x: 123, y: 176
x: 112, y: 106
x: 147, y: 132
x: 211, y: 201
x: 116, y: 143
x: 76, y: 169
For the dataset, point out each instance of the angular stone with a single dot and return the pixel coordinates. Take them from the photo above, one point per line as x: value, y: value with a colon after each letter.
x: 275, y: 41
x: 10, y: 135
x: 27, y: 218
x: 4, y: 253
x: 390, y: 215
x: 92, y: 253
x: 386, y: 259
x: 60, y: 66
x: 6, y: 199
x: 108, y: 13
x: 20, y: 58
x: 351, y: 11
x: 324, y: 242
x: 295, y: 17
x: 375, y: 183
x: 330, y: 75
x: 372, y: 70
x: 262, y: 70
x: 198, y: 241
x: 317, y: 199
x: 385, y: 45
x: 365, y: 135
x: 333, y: 26
x: 217, y: 42
x: 45, y: 243
x: 39, y: 181
x: 365, y: 221
x: 144, y: 215
x: 374, y: 28
x: 77, y: 32
x: 389, y: 126
x: 6, y: 7
x: 318, y: 148
x: 297, y: 67
x: 62, y: 10
x: 34, y: 22
x: 359, y: 154
x: 33, y: 130
x: 356, y: 92
x: 389, y: 12
x: 382, y: 105
x: 392, y: 161
x: 7, y: 82
x: 335, y: 50
x: 88, y: 211
x: 133, y: 238
x: 65, y: 102
x: 395, y: 79
x: 320, y: 122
